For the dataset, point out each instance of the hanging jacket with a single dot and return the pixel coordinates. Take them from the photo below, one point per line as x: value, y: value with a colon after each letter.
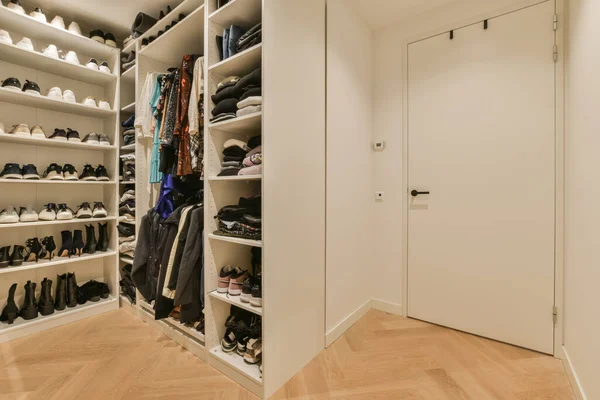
x: 146, y: 262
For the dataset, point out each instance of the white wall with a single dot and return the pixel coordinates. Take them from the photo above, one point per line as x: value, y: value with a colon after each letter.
x: 582, y: 259
x: 350, y: 195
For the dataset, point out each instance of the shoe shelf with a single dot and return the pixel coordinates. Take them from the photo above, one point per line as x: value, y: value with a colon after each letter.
x: 130, y: 46
x: 10, y: 138
x: 236, y: 301
x: 235, y: 178
x: 26, y: 58
x: 129, y: 147
x: 128, y: 109
x: 235, y: 361
x: 38, y: 101
x: 57, y: 261
x: 248, y: 124
x: 22, y: 327
x: 245, y: 13
x: 56, y: 222
x: 126, y: 261
x: 186, y: 7
x: 55, y: 182
x: 129, y: 75
x: 240, y: 64
x: 28, y: 26
x: 127, y: 182
x: 245, y: 242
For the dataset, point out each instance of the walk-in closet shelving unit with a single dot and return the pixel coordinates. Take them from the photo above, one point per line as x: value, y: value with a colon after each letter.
x: 20, y: 107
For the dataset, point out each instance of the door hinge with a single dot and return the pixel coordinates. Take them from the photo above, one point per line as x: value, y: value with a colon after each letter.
x: 555, y: 22
x: 555, y: 53
x: 555, y: 314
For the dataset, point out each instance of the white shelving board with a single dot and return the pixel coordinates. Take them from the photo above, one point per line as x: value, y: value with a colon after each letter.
x: 57, y: 261
x: 236, y: 301
x: 245, y: 242
x: 248, y: 124
x: 237, y: 362
x: 53, y: 182
x: 241, y: 64
x: 129, y: 147
x: 128, y: 75
x: 245, y: 13
x: 56, y: 222
x: 10, y: 138
x: 129, y: 108
x: 235, y: 178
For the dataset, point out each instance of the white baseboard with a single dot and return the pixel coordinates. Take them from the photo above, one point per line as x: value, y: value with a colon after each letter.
x: 575, y: 384
x: 341, y: 328
x: 386, y: 306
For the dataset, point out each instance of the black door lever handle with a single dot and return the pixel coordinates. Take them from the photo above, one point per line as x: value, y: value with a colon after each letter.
x: 415, y: 193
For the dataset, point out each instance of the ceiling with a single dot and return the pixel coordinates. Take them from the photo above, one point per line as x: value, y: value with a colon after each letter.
x: 115, y: 16
x: 382, y: 13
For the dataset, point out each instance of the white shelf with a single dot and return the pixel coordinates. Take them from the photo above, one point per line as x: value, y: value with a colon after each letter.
x: 235, y: 361
x: 130, y: 46
x: 127, y: 182
x: 57, y: 182
x: 245, y: 13
x: 184, y: 38
x: 32, y: 59
x: 129, y: 75
x: 129, y: 109
x: 63, y: 39
x: 246, y: 242
x: 57, y: 261
x: 236, y: 301
x: 185, y: 7
x: 10, y: 138
x: 126, y: 260
x: 129, y: 147
x: 38, y: 101
x: 55, y: 222
x: 248, y: 124
x: 240, y: 64
x: 235, y: 178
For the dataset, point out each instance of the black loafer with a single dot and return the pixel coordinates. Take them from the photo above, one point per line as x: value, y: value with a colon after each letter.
x: 31, y: 87
x: 11, y: 83
x: 110, y: 40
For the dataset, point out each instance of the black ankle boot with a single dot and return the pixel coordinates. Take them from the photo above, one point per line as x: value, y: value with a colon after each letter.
x: 103, y: 237
x: 49, y: 246
x: 78, y: 243
x: 46, y: 303
x: 67, y: 244
x: 71, y: 290
x: 11, y: 311
x: 61, y: 292
x: 90, y: 237
x: 33, y: 250
x: 4, y: 256
x: 29, y: 309
x: 16, y: 258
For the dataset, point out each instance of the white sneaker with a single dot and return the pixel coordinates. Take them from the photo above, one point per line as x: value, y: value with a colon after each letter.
x: 38, y: 15
x: 51, y: 51
x: 48, y: 213
x: 99, y: 210
x: 15, y: 5
x: 25, y: 44
x: 58, y: 22
x: 105, y: 105
x: 104, y: 67
x: 38, y: 132
x: 21, y: 130
x: 89, y: 101
x: 9, y: 216
x: 55, y: 93
x: 69, y: 96
x: 92, y: 64
x: 64, y: 213
x: 72, y: 58
x: 28, y: 214
x: 5, y: 37
x: 74, y: 28
x: 84, y: 211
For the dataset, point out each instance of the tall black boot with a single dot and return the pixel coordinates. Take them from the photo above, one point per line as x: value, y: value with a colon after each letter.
x: 11, y: 311
x: 71, y: 290
x: 77, y: 243
x: 67, y: 244
x: 50, y: 246
x: 90, y: 237
x: 46, y: 303
x: 61, y: 292
x: 29, y: 309
x: 4, y: 256
x: 103, y: 237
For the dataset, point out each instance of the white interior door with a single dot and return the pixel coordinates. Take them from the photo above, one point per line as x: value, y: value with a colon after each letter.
x: 482, y: 140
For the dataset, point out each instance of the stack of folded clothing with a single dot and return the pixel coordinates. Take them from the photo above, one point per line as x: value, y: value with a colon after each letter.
x: 236, y: 97
x: 129, y: 133
x: 127, y: 61
x: 236, y: 39
x: 241, y: 158
x: 242, y: 220
x: 127, y: 206
x: 127, y: 167
x: 127, y: 240
x: 251, y: 38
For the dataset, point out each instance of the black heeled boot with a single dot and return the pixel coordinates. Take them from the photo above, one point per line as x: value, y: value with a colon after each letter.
x: 33, y: 250
x: 103, y: 237
x: 71, y: 290
x: 45, y: 302
x: 11, y: 311
x: 67, y: 244
x: 4, y: 256
x: 61, y: 292
x: 49, y: 246
x: 90, y: 237
x: 78, y: 243
x: 29, y: 309
x: 16, y: 258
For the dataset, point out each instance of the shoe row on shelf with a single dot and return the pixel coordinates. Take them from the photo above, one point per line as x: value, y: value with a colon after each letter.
x: 52, y: 212
x: 235, y: 281
x: 70, y: 135
x: 55, y: 172
x: 68, y: 294
x: 243, y: 335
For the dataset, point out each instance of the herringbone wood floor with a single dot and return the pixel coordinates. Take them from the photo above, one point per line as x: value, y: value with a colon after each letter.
x: 116, y: 356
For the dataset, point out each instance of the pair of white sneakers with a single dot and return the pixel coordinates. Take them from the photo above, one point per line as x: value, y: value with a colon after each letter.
x: 38, y: 14
x: 67, y: 95
x: 24, y: 43
x: 52, y: 51
x: 10, y: 215
x: 91, y: 102
x: 23, y: 130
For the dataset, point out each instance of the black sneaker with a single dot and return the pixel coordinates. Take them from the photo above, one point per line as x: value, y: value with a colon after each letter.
x: 256, y: 299
x: 59, y: 134
x: 54, y: 172
x: 73, y: 136
x: 97, y: 35
x: 110, y: 40
x: 11, y: 83
x: 91, y: 138
x: 29, y: 171
x: 11, y: 171
x: 102, y: 173
x: 89, y: 173
x: 31, y: 87
x: 247, y: 290
x: 69, y: 172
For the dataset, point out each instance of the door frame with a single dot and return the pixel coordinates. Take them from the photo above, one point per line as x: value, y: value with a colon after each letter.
x: 559, y: 79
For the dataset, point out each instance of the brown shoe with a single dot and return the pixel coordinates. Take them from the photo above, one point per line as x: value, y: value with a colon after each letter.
x: 237, y: 280
x: 224, y: 278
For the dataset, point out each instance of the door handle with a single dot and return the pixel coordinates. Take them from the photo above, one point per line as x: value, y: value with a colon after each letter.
x: 415, y: 193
